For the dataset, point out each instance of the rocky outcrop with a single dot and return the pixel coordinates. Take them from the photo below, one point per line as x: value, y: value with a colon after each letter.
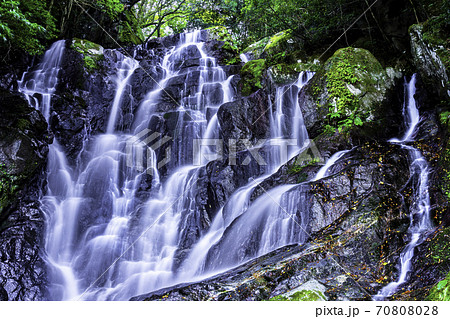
x: 353, y: 93
x: 24, y: 143
x: 357, y: 218
x: 429, y: 63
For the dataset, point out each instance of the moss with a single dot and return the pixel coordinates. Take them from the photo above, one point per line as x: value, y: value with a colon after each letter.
x: 435, y: 33
x: 353, y: 80
x: 439, y: 250
x: 303, y: 295
x: 92, y: 53
x: 441, y: 291
x: 257, y: 48
x: 23, y: 124
x: 278, y: 42
x: 7, y: 187
x: 444, y: 158
x: 251, y: 76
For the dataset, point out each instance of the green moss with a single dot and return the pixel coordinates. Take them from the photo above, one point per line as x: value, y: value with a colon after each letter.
x: 439, y: 250
x: 92, y: 52
x: 303, y: 295
x: 7, y: 186
x: 278, y: 42
x: 22, y: 124
x: 350, y: 74
x: 441, y: 291
x: 444, y: 160
x: 257, y: 48
x: 435, y: 33
x: 298, y: 168
x: 251, y: 76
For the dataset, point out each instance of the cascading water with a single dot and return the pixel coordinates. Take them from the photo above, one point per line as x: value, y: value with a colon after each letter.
x: 269, y: 222
x: 103, y: 241
x: 420, y: 221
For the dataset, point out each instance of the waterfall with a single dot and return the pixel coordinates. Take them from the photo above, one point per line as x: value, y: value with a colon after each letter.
x: 106, y: 241
x: 41, y: 82
x: 419, y: 216
x: 243, y: 57
x: 331, y: 161
x: 243, y: 230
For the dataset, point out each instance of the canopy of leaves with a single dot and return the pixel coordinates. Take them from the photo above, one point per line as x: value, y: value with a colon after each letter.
x: 24, y: 24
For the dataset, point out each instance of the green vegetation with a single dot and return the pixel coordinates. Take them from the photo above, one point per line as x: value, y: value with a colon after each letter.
x: 440, y: 292
x: 439, y: 250
x: 298, y: 168
x: 444, y: 157
x: 343, y: 109
x: 24, y: 25
x: 355, y: 83
x: 92, y: 52
x: 302, y: 295
x: 252, y: 73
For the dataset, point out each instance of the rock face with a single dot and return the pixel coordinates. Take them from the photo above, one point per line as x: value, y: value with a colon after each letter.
x: 428, y: 63
x: 350, y: 90
x: 24, y: 143
x: 357, y: 216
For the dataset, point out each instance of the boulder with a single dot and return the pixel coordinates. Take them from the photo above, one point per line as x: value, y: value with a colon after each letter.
x: 352, y: 93
x: 428, y: 61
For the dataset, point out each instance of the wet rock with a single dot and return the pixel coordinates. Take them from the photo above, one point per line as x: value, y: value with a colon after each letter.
x: 357, y: 219
x: 245, y: 119
x: 368, y: 93
x: 428, y: 63
x: 23, y: 151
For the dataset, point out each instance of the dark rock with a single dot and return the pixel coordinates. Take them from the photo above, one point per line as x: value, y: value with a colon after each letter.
x: 357, y: 219
x: 23, y: 154
x: 245, y: 119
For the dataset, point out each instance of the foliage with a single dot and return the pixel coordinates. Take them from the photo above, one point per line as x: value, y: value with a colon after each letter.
x: 111, y: 7
x: 343, y: 109
x: 25, y: 25
x: 161, y: 17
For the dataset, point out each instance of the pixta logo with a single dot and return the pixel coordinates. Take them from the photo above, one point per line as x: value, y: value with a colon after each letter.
x: 141, y: 151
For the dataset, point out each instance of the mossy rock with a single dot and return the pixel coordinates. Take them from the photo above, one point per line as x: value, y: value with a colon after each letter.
x: 256, y: 49
x: 92, y: 52
x: 23, y: 145
x: 441, y: 291
x: 279, y: 42
x: 350, y: 91
x: 252, y: 75
x: 430, y: 49
x: 303, y: 295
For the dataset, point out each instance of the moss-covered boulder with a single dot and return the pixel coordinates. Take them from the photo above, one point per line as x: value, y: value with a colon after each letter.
x: 431, y: 55
x: 252, y: 76
x: 351, y: 93
x: 255, y: 50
